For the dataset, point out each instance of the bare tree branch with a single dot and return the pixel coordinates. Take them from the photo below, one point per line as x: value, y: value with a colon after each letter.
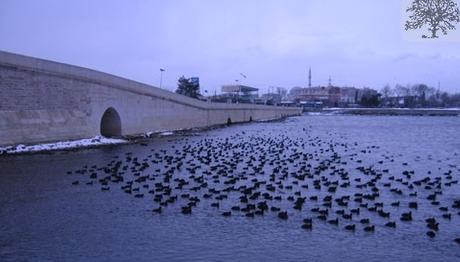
x: 435, y: 14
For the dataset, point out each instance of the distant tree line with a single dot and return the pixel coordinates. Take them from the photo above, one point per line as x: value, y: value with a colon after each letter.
x: 418, y: 95
x: 370, y: 100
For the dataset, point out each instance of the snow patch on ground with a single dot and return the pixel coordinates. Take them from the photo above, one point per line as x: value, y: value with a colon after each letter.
x: 160, y: 133
x: 333, y: 113
x: 268, y: 120
x: 95, y: 141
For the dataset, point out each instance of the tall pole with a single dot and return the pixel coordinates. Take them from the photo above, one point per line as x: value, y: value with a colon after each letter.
x: 161, y: 76
x: 309, y: 77
x: 238, y: 92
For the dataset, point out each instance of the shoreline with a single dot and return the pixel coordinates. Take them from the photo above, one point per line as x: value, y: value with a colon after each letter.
x: 388, y: 111
x: 100, y: 141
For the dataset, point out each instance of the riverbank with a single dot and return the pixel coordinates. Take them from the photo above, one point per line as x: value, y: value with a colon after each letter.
x: 100, y: 141
x: 392, y: 111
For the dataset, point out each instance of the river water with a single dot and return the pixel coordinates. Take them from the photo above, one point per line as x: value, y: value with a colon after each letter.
x: 107, y: 216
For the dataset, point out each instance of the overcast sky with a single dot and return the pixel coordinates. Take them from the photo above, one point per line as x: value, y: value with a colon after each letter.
x: 272, y: 42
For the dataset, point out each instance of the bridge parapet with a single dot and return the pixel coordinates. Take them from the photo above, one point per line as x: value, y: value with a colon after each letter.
x: 46, y: 101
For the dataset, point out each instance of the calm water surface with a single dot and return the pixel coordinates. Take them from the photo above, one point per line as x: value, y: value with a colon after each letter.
x: 43, y: 216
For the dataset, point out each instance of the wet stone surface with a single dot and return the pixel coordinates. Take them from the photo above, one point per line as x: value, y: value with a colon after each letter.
x: 332, y: 188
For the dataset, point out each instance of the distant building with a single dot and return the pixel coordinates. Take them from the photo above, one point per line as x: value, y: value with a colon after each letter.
x: 271, y: 99
x: 328, y: 96
x: 240, y: 93
x: 348, y: 96
x: 331, y: 96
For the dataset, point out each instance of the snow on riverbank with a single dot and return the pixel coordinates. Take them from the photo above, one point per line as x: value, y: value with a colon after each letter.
x: 95, y: 141
x: 328, y: 113
x: 390, y: 111
x: 389, y: 108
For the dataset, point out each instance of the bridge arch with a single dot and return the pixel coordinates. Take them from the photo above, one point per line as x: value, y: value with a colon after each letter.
x: 110, y: 123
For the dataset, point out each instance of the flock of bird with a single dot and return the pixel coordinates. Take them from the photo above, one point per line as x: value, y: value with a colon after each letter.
x: 254, y: 175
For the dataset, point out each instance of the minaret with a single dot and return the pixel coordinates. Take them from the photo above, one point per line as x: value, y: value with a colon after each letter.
x: 330, y: 81
x: 309, y: 77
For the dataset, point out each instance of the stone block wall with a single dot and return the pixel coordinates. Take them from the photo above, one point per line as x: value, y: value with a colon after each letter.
x: 42, y: 101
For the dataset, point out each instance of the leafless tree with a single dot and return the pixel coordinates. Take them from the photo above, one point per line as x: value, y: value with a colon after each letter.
x: 386, y: 91
x: 436, y: 14
x: 402, y: 90
x: 281, y: 91
x: 419, y: 89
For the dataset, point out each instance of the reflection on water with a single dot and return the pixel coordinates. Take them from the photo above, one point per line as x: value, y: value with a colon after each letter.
x: 236, y: 183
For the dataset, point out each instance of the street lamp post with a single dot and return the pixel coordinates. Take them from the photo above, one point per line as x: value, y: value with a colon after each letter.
x: 161, y: 76
x: 239, y: 90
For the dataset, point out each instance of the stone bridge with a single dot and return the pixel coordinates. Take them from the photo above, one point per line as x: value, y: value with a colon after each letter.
x: 43, y: 101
